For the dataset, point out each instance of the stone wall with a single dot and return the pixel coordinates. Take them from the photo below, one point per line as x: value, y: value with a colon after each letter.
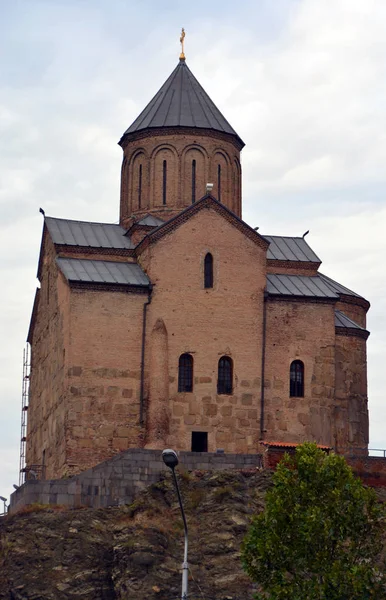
x: 351, y: 418
x: 225, y: 320
x: 303, y: 331
x: 48, y: 336
x: 118, y: 480
x: 104, y: 376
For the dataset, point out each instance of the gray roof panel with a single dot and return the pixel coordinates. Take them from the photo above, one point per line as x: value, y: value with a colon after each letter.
x: 102, y: 271
x: 83, y: 233
x: 299, y: 285
x: 290, y: 248
x: 181, y: 102
x: 337, y: 287
x: 342, y: 320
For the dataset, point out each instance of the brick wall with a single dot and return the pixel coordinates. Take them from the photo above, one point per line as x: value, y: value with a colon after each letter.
x: 104, y: 373
x: 300, y: 331
x: 48, y: 380
x: 184, y: 317
x: 119, y: 479
x: 179, y: 150
x: 371, y: 469
x: 351, y: 414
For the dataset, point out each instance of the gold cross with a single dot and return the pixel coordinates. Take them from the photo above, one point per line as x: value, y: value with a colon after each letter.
x: 182, y: 55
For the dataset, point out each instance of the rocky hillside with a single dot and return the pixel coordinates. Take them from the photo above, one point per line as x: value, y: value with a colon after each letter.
x: 135, y: 552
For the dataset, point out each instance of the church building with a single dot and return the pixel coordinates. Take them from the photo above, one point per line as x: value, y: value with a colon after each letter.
x: 183, y: 326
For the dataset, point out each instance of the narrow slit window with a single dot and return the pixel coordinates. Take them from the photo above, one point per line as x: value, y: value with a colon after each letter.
x: 164, y: 181
x: 297, y: 379
x: 193, y: 181
x: 139, y: 186
x: 185, y: 373
x: 219, y: 183
x: 208, y: 271
x: 225, y: 375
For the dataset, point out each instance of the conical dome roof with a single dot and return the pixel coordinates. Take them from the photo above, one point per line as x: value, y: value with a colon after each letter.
x: 182, y: 102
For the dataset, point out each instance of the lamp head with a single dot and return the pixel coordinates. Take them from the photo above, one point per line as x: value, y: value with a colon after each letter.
x: 3, y: 499
x: 170, y: 458
x: 209, y: 187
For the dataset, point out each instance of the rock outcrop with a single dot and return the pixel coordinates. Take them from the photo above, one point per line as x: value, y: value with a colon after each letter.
x: 135, y: 552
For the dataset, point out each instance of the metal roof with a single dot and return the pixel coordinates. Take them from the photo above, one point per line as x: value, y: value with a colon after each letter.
x: 299, y: 285
x: 290, y: 248
x: 150, y: 221
x: 83, y: 233
x: 102, y: 271
x: 337, y: 287
x: 181, y: 102
x: 342, y: 320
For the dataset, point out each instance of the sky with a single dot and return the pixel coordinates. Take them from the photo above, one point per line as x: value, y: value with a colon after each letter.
x: 303, y: 82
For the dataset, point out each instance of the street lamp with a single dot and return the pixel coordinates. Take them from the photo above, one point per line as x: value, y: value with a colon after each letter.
x: 170, y: 459
x: 4, y: 500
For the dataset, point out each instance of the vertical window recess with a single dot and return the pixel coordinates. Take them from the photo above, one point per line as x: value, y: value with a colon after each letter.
x: 297, y: 379
x: 193, y: 181
x: 185, y: 373
x: 219, y: 183
x: 164, y: 182
x: 139, y: 186
x: 208, y: 271
x: 225, y: 375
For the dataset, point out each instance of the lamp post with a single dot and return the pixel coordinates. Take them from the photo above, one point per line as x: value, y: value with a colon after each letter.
x: 170, y: 459
x: 4, y: 500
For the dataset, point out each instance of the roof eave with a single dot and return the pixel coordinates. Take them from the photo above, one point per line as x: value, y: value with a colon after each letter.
x: 299, y: 298
x: 352, y: 332
x: 182, y: 216
x: 110, y: 287
x: 129, y: 136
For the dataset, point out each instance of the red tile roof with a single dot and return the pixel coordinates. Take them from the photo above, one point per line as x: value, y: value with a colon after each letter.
x: 291, y: 445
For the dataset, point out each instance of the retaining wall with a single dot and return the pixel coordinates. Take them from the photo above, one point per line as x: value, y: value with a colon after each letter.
x: 118, y: 480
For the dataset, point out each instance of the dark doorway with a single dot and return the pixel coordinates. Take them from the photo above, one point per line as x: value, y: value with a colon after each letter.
x: 199, y: 441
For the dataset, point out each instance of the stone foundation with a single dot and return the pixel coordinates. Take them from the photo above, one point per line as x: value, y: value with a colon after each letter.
x: 118, y: 480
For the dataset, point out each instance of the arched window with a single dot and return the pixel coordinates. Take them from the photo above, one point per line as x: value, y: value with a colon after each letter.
x: 225, y: 375
x: 219, y: 183
x: 185, y: 373
x: 208, y: 271
x: 139, y: 186
x: 164, y: 169
x: 193, y: 181
x: 297, y: 379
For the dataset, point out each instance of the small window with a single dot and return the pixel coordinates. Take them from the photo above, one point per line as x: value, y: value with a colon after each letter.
x: 225, y: 375
x: 219, y: 183
x: 185, y: 373
x: 199, y: 441
x: 208, y: 271
x: 297, y: 379
x: 164, y: 182
x: 193, y: 181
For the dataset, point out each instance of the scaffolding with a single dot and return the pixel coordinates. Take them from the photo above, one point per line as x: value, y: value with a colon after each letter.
x: 24, y: 410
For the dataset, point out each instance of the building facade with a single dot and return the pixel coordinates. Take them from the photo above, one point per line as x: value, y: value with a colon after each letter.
x: 182, y: 326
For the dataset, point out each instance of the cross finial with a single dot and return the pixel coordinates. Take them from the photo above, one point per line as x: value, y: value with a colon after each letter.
x: 182, y: 37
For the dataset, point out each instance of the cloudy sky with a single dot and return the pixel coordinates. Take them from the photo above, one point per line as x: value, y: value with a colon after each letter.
x: 303, y: 82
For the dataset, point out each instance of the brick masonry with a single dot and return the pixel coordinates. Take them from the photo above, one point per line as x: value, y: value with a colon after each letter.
x: 86, y: 391
x: 118, y: 480
x: 178, y: 150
